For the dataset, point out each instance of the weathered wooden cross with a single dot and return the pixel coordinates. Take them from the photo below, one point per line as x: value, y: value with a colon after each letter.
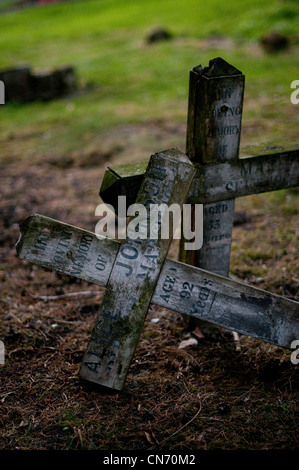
x: 136, y: 273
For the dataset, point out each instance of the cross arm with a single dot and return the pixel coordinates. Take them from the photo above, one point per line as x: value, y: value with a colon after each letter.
x: 180, y: 287
x: 214, y: 181
x: 67, y: 249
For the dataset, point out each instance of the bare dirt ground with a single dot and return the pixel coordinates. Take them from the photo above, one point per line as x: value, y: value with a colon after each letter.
x: 207, y: 396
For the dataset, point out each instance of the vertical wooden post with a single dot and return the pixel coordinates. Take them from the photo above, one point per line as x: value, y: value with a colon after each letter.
x: 213, y: 135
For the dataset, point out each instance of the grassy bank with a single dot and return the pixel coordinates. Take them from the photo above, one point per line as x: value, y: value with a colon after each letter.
x: 125, y: 81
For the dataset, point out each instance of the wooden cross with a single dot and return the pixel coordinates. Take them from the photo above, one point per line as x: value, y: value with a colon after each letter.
x: 134, y: 273
x: 137, y: 273
x: 213, y: 136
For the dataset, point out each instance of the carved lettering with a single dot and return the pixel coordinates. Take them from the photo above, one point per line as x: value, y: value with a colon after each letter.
x: 217, y: 209
x: 158, y: 173
x: 93, y: 366
x: 129, y: 252
x: 253, y: 181
x: 201, y: 304
x: 81, y: 255
x: 61, y: 250
x: 221, y: 151
x: 216, y: 238
x: 151, y: 188
x: 226, y: 111
x: 41, y: 242
x: 215, y: 132
x: 168, y: 284
x: 226, y: 92
x: 100, y: 263
x: 187, y: 290
x: 126, y: 266
x: 153, y: 259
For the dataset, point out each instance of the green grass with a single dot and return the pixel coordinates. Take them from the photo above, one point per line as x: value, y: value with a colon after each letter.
x: 132, y: 82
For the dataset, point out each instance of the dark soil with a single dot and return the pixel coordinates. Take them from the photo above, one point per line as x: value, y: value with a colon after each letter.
x: 207, y: 396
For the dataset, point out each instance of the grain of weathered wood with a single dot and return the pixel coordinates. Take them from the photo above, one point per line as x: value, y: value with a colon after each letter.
x: 66, y: 249
x: 185, y: 289
x: 214, y: 112
x: 215, y: 181
x: 134, y: 276
x: 213, y: 135
x: 227, y: 303
x: 246, y: 176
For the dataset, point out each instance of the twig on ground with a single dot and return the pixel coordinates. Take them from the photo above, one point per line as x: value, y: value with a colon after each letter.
x: 65, y: 296
x: 182, y: 427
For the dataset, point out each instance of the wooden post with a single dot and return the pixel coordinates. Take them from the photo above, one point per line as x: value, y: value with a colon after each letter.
x: 134, y: 275
x: 213, y: 135
x: 180, y: 287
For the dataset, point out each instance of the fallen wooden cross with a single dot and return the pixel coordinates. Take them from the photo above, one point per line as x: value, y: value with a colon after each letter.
x: 136, y: 273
